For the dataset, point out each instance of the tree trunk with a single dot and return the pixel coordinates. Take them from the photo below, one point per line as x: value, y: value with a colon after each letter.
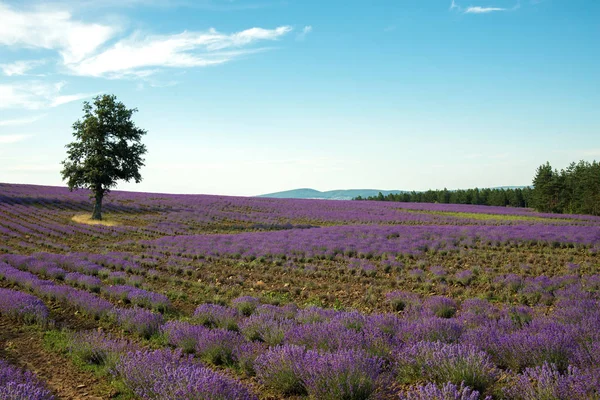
x: 97, y: 214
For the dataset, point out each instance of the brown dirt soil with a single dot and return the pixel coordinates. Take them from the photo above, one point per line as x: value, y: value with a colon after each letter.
x: 23, y: 346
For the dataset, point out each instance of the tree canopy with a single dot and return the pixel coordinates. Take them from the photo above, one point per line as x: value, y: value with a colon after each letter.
x: 107, y: 149
x: 574, y: 190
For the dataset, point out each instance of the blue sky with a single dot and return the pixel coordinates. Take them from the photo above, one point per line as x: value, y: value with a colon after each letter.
x: 244, y: 97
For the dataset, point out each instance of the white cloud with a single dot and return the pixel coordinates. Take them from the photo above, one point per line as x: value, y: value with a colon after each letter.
x: 8, y: 139
x: 59, y: 100
x: 35, y: 95
x: 136, y: 54
x: 305, y: 31
x: 483, y: 10
x: 52, y: 29
x: 21, y: 121
x: 453, y: 5
x: 19, y: 67
x: 90, y: 49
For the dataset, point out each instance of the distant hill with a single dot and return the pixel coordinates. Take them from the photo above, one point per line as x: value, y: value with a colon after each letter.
x: 348, y: 194
x: 329, y: 195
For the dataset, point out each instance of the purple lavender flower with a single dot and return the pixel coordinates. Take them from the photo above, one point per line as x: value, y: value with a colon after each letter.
x: 546, y: 382
x: 400, y: 300
x: 464, y: 277
x: 215, y: 346
x: 345, y: 374
x: 217, y: 316
x: 280, y: 368
x: 138, y: 320
x: 441, y: 362
x: 448, y: 391
x: 327, y: 336
x: 21, y: 385
x: 23, y: 307
x: 245, y: 356
x: 440, y: 306
x: 167, y: 375
x: 98, y: 348
x: 246, y: 304
x: 265, y: 328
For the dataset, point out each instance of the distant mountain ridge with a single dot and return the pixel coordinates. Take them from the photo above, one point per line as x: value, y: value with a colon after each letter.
x: 349, y: 194
x: 343, y: 194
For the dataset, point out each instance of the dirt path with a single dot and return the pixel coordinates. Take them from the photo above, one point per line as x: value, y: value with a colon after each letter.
x: 24, y: 347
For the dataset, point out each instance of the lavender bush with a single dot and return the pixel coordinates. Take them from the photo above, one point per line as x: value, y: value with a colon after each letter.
x: 168, y: 375
x: 16, y: 384
x: 447, y: 391
x: 441, y: 362
x: 23, y: 307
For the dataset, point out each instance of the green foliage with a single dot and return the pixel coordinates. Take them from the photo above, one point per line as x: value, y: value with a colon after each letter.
x: 574, y: 190
x: 519, y: 197
x: 106, y: 149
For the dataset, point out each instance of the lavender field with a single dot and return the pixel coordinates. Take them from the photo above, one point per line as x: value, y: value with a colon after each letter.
x: 214, y: 297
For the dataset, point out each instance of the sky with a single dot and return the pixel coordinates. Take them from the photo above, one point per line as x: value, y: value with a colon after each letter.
x: 245, y: 97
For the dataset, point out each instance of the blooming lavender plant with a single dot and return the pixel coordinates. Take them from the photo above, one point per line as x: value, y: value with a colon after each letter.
x: 400, y: 300
x: 266, y: 328
x: 440, y: 306
x: 246, y: 304
x: 98, y: 348
x: 441, y: 362
x: 547, y: 382
x: 167, y: 375
x: 345, y: 374
x: 138, y: 320
x: 447, y: 391
x: 280, y: 368
x: 215, y: 346
x: 217, y: 316
x: 23, y: 307
x: 16, y: 384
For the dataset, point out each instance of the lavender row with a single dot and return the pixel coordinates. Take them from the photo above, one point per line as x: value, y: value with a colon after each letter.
x: 369, y: 240
x: 16, y: 384
x: 465, y: 352
x: 128, y: 294
x: 134, y: 320
x: 23, y: 307
x: 159, y: 374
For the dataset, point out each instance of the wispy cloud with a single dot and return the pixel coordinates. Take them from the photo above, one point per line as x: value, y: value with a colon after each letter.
x: 35, y: 95
x: 52, y: 29
x: 483, y: 10
x: 9, y: 139
x: 305, y: 31
x: 20, y: 67
x: 141, y: 55
x: 20, y: 121
x: 89, y: 49
x: 454, y: 6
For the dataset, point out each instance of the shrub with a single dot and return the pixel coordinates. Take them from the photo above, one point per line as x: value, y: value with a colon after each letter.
x: 441, y: 363
x: 546, y: 382
x: 167, y: 375
x: 448, y: 391
x: 21, y: 385
x: 280, y: 368
x: 345, y: 374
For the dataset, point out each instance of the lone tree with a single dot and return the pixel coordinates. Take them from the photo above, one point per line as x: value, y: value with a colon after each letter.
x: 106, y: 149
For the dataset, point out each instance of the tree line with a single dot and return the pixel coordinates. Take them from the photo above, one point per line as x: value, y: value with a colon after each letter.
x: 518, y: 197
x: 573, y: 190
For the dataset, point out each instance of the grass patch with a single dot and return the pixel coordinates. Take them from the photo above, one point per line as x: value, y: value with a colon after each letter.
x: 87, y: 219
x: 487, y: 217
